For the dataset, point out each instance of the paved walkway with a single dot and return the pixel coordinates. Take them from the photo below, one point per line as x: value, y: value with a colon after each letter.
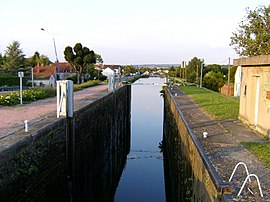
x: 12, y: 118
x: 223, y: 146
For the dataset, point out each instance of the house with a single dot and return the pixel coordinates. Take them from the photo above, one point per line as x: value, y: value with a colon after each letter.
x: 46, y: 75
x: 255, y: 92
x: 237, y: 81
x: 107, y: 68
x: 108, y: 72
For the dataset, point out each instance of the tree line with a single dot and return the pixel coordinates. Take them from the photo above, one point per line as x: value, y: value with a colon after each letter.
x: 14, y: 60
x: 82, y: 59
x: 214, y: 76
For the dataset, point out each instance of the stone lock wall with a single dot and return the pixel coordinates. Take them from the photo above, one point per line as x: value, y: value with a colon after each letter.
x: 189, y: 176
x: 34, y: 168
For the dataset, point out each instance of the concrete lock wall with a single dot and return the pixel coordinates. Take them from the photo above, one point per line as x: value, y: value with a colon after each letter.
x: 35, y: 168
x: 189, y: 176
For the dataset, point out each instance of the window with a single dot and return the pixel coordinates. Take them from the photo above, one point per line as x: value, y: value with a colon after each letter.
x: 245, y: 90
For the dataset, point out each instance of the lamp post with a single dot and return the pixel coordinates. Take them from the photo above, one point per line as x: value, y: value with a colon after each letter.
x: 56, y: 57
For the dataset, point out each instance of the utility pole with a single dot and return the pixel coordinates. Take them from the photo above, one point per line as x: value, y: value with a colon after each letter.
x: 180, y: 69
x: 201, y: 73
x: 229, y: 72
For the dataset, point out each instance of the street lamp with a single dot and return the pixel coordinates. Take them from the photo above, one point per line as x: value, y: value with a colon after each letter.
x: 57, y: 61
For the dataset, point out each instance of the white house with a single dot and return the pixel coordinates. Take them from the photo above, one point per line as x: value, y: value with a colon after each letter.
x: 108, y: 72
x: 237, y: 81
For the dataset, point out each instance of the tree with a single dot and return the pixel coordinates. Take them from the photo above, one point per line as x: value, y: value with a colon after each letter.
x: 98, y: 58
x: 213, y: 80
x: 81, y: 58
x: 193, y: 70
x: 212, y: 67
x: 1, y: 60
x: 38, y: 59
x: 252, y: 38
x: 14, y: 60
x: 129, y: 69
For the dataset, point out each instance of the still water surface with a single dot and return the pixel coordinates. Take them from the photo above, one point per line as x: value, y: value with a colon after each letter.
x: 143, y: 178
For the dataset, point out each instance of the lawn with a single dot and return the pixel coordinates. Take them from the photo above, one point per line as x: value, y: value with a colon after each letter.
x: 261, y: 150
x: 219, y: 105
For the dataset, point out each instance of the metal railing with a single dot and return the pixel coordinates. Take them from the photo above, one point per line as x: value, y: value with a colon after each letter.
x: 247, y: 178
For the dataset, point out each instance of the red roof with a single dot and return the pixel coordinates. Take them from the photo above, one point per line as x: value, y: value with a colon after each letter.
x: 64, y: 67
x: 45, y: 72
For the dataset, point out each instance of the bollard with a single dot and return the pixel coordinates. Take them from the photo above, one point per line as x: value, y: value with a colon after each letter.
x: 205, y: 134
x: 26, y: 125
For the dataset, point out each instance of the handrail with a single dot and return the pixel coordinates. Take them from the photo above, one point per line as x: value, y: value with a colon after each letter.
x: 248, y: 177
x: 240, y: 163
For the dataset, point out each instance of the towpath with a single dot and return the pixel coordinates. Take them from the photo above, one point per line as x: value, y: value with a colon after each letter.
x: 12, y: 118
x: 223, y: 146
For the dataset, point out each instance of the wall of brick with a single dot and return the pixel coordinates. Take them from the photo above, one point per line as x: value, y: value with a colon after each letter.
x: 35, y: 167
x: 225, y: 90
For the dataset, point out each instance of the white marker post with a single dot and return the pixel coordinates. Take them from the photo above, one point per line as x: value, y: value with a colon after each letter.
x: 20, y: 74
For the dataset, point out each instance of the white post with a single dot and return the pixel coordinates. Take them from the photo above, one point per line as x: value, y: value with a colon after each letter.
x: 20, y: 74
x: 21, y: 89
x: 26, y: 125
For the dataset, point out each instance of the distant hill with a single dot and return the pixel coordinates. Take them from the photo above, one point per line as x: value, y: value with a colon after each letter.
x: 156, y: 65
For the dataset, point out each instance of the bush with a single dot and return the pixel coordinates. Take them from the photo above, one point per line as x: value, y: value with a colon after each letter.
x: 11, y: 81
x: 213, y: 80
x: 27, y: 96
x: 102, y: 77
x: 73, y: 78
x: 87, y: 84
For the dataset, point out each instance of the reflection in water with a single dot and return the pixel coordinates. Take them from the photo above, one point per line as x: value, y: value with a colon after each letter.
x: 143, y: 179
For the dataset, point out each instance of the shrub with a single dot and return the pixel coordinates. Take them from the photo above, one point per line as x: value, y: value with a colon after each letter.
x: 102, y: 77
x: 73, y: 78
x: 11, y: 81
x: 213, y: 80
x: 27, y: 96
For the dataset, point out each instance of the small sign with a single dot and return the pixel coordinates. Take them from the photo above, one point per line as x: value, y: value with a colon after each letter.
x: 20, y: 74
x: 268, y: 95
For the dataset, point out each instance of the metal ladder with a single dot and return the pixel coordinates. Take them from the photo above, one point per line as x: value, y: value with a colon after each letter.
x: 247, y: 178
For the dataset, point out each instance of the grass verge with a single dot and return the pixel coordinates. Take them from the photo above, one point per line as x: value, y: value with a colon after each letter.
x: 218, y: 105
x: 261, y: 150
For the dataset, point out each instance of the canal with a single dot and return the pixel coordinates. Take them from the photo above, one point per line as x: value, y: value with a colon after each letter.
x: 143, y: 178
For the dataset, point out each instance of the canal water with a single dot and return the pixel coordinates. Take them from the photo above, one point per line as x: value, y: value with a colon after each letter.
x: 143, y: 178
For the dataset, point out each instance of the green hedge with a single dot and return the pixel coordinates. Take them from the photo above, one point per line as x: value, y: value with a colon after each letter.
x: 11, y: 81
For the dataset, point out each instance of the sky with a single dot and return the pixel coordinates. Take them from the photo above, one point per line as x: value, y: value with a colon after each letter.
x: 126, y: 31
